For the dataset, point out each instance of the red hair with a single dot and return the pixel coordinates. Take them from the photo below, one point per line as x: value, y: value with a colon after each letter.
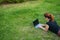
x: 49, y: 16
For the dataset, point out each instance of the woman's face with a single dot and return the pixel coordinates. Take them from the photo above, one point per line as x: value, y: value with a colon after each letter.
x: 47, y: 19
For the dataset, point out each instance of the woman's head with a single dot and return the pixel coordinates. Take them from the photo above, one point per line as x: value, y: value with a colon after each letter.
x: 49, y: 17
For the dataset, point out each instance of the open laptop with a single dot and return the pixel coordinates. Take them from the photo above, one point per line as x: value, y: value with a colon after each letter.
x: 36, y: 23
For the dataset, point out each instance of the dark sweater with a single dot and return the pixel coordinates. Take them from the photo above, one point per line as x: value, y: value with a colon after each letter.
x: 53, y: 27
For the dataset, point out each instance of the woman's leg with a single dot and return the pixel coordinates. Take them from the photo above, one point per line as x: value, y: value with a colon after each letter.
x: 59, y: 33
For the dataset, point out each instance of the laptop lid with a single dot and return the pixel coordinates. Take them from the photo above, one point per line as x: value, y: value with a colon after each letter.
x: 35, y: 22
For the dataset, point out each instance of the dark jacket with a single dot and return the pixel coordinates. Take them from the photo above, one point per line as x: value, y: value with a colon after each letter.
x: 53, y: 26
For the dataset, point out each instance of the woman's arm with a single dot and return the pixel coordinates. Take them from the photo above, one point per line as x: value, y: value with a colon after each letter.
x: 45, y: 27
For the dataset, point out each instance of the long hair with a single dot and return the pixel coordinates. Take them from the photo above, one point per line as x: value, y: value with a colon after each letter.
x: 49, y: 16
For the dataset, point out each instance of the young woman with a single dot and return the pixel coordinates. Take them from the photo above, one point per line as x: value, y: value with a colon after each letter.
x: 52, y: 24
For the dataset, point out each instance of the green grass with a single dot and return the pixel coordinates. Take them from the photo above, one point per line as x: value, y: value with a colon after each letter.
x: 16, y: 20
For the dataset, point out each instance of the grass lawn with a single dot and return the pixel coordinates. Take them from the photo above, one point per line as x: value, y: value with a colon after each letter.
x: 16, y: 20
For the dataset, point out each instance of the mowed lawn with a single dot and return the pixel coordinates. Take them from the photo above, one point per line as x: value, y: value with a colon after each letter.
x: 16, y: 20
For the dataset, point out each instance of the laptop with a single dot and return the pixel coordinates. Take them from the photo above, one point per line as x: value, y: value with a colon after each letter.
x: 36, y: 23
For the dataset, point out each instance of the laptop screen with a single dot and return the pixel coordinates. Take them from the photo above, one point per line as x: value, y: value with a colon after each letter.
x: 36, y: 22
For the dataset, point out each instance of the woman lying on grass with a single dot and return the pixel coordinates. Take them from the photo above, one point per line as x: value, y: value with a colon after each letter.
x: 51, y: 25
